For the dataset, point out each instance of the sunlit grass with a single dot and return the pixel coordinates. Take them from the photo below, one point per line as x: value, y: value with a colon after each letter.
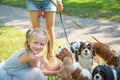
x: 11, y: 40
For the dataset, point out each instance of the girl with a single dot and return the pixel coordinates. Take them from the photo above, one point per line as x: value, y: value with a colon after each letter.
x: 29, y: 63
x: 48, y: 9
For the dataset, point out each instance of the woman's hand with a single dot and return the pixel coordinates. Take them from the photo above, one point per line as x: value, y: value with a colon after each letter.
x: 60, y: 5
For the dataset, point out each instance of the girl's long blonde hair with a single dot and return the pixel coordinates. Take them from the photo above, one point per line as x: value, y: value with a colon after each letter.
x: 32, y: 33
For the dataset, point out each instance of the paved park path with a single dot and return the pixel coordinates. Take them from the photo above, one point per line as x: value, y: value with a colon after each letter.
x: 107, y: 32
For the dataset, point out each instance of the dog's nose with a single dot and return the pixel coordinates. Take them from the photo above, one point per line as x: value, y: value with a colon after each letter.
x: 96, y: 77
x: 85, y: 50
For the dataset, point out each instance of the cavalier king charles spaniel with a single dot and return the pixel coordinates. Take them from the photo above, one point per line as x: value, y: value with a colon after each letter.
x: 105, y: 72
x: 84, y: 53
x: 71, y: 70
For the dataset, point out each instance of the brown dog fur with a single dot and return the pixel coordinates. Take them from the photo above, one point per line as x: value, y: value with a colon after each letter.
x: 66, y: 57
x: 105, y: 53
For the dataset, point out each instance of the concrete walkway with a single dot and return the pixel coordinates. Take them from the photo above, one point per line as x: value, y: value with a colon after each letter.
x: 107, y: 32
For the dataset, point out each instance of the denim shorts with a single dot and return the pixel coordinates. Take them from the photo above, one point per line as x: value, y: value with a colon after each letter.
x: 45, y: 5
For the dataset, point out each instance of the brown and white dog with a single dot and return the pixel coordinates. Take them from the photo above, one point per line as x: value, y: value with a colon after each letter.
x: 106, y: 53
x: 67, y: 60
x: 84, y: 53
x: 72, y: 70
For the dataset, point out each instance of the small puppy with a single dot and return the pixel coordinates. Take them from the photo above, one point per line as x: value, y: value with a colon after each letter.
x: 66, y: 57
x: 104, y: 72
x: 106, y: 53
x: 72, y: 70
x: 84, y: 53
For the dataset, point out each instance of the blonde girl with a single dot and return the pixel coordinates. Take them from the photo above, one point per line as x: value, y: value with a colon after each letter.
x: 29, y: 63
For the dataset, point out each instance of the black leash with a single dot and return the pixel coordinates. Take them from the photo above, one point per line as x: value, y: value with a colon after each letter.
x: 64, y: 29
x: 60, y: 13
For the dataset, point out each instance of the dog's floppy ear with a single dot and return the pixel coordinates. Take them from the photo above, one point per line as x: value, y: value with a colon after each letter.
x: 79, y: 51
x: 94, y: 50
x: 93, y: 47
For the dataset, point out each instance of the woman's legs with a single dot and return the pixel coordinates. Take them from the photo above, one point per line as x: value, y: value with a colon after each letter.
x: 34, y: 18
x: 50, y: 21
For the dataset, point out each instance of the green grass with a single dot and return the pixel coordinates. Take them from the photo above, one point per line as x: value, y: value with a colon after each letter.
x: 11, y: 40
x: 94, y: 9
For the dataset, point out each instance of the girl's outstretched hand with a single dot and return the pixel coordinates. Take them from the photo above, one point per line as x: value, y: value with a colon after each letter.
x: 59, y: 73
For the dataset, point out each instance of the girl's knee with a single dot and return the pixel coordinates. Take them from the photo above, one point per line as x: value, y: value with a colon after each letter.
x: 36, y: 71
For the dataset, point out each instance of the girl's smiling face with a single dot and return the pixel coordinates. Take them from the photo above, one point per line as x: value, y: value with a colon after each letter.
x: 37, y: 44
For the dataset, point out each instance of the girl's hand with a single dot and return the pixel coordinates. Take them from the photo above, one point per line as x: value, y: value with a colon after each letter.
x: 60, y: 5
x: 58, y: 72
x: 38, y: 56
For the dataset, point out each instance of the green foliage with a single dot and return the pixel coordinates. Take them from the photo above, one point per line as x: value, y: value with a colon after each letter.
x: 17, y: 3
x: 95, y: 9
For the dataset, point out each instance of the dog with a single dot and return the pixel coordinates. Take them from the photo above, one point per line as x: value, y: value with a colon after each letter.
x: 72, y: 70
x: 118, y: 59
x: 84, y: 53
x: 106, y: 53
x: 66, y: 57
x: 105, y: 72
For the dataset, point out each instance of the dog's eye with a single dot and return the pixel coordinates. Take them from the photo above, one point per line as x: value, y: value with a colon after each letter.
x: 100, y: 72
x: 95, y: 70
x: 89, y: 47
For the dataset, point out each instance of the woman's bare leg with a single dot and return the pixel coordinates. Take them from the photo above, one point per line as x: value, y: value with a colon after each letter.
x: 34, y: 18
x: 50, y: 20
